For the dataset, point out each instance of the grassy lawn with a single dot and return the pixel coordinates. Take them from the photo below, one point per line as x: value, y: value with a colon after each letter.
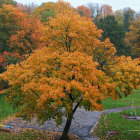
x: 124, y: 101
x: 115, y: 122
x: 30, y: 134
x: 5, y: 109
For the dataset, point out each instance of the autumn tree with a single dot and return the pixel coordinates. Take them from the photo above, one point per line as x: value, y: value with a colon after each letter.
x: 76, y: 69
x: 49, y: 81
x: 106, y: 10
x: 133, y: 38
x: 69, y: 32
x: 27, y: 9
x: 95, y: 9
x: 11, y: 2
x: 126, y: 74
x: 50, y: 9
x: 10, y: 21
x: 84, y: 11
x: 99, y: 11
x: 28, y: 38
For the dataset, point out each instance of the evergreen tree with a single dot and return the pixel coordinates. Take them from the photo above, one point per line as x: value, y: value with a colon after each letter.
x: 116, y: 33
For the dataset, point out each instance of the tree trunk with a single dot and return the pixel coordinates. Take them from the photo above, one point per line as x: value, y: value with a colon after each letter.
x: 67, y: 127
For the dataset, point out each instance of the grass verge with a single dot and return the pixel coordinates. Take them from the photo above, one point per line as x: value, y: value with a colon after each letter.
x: 5, y: 109
x: 124, y: 101
x: 115, y: 122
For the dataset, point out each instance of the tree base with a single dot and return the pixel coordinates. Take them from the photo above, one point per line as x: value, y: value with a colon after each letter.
x: 64, y: 138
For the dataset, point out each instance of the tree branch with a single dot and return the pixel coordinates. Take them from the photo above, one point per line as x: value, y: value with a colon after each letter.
x: 69, y: 95
x: 32, y: 90
x: 77, y: 106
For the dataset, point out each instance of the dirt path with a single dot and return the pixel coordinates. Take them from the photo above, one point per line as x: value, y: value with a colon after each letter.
x: 82, y: 124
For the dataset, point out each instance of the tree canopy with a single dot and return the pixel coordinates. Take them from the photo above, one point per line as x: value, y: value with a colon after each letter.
x: 68, y: 64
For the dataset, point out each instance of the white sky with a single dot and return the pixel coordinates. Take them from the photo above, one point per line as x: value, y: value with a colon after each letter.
x: 116, y: 4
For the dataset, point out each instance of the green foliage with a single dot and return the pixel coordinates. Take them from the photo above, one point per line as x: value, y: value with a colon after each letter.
x: 45, y: 15
x: 114, y: 31
x: 128, y: 15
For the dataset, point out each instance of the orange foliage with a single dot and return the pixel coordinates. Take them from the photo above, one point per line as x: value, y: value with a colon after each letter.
x: 57, y: 8
x: 106, y: 10
x: 59, y: 76
x: 75, y: 69
x: 84, y: 11
x: 71, y: 32
x: 126, y: 74
x: 28, y: 37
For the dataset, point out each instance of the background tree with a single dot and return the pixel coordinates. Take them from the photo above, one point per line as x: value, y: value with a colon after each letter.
x: 9, y: 24
x: 84, y: 11
x: 106, y: 10
x: 119, y: 17
x: 96, y: 11
x: 11, y: 2
x: 28, y: 38
x: 114, y: 31
x: 133, y: 38
x: 27, y: 9
x: 47, y: 10
x: 128, y: 14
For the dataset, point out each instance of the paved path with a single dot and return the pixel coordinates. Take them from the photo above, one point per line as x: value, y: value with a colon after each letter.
x: 82, y: 123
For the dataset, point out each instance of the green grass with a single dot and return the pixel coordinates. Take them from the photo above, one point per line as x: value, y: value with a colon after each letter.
x: 115, y: 122
x: 27, y: 135
x: 5, y: 109
x: 124, y: 101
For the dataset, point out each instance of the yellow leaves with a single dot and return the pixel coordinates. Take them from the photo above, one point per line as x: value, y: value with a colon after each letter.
x: 74, y: 67
x: 133, y: 38
x: 71, y: 32
x: 57, y: 76
x: 73, y: 35
x: 43, y: 70
x: 29, y: 37
x: 126, y: 74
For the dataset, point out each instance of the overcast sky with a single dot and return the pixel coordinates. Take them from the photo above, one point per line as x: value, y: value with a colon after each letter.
x: 116, y: 4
